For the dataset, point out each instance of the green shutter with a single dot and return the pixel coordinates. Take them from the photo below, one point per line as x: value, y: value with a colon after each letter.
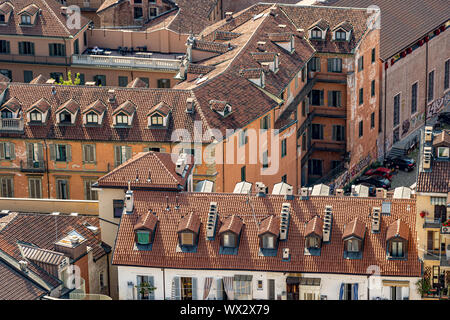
x: 52, y: 152
x: 321, y: 97
x: 143, y: 237
x: 40, y: 152
x: 12, y: 152
x: 117, y: 155
x: 68, y: 152
x: 20, y: 47
x: 128, y: 153
x: 2, y: 150
x: 194, y: 289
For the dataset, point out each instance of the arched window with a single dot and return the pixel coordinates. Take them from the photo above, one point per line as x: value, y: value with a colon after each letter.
x: 6, y: 114
x: 122, y: 118
x: 316, y: 34
x: 341, y: 35
x: 92, y: 117
x: 35, y: 116
x: 157, y: 120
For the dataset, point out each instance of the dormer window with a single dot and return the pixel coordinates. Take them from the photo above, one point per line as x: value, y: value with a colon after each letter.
x: 229, y: 240
x: 269, y: 231
x: 144, y: 229
x: 316, y: 33
x: 443, y: 152
x: 353, y: 237
x: 158, y: 116
x: 92, y: 118
x: 143, y: 237
x: 187, y: 239
x: 2, y: 19
x: 157, y: 120
x: 65, y: 117
x: 312, y: 242
x: 25, y: 19
x: 268, y: 242
x: 124, y: 114
x: 188, y: 230
x: 353, y: 245
x: 122, y: 119
x: 93, y: 113
x: 396, y: 249
x: 35, y: 116
x: 397, y: 236
x: 313, y: 236
x: 340, y: 35
x: 230, y: 231
x: 7, y: 114
x: 221, y: 107
x: 6, y: 9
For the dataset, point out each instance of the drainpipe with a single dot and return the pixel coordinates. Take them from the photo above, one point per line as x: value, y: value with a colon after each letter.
x: 368, y: 288
x: 426, y: 81
x: 46, y: 169
x: 109, y: 277
x: 164, y: 283
x: 384, y: 112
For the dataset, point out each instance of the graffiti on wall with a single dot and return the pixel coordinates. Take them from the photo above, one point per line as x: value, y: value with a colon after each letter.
x: 345, y: 178
x: 438, y: 105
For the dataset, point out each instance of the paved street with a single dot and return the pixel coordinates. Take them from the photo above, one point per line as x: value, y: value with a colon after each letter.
x: 406, y: 179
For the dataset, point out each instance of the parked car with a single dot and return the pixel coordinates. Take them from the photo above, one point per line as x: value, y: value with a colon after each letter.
x: 402, y: 163
x: 376, y: 181
x: 444, y: 117
x: 382, y: 172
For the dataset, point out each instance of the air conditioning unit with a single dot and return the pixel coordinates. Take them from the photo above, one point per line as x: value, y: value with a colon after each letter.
x: 286, y: 254
x: 428, y: 134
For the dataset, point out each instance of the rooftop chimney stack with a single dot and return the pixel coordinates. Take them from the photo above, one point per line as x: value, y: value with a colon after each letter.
x: 23, y: 265
x: 228, y: 16
x: 304, y: 193
x: 129, y: 200
x: 111, y: 96
x: 381, y: 193
x: 339, y: 192
x: 190, y: 105
x: 181, y: 164
x: 261, y: 189
x: 428, y: 134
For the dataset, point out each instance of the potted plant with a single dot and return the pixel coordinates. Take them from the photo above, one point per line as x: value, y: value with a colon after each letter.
x: 423, y: 214
x: 145, y: 288
x: 423, y: 287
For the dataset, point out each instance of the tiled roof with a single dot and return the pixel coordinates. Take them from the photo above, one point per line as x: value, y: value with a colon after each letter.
x: 331, y: 259
x: 4, y: 78
x: 6, y: 7
x: 162, y: 107
x: 232, y: 223
x: 314, y: 226
x: 402, y: 22
x: 50, y: 22
x: 70, y: 105
x: 345, y: 25
x: 238, y: 5
x: 264, y: 56
x: 127, y: 106
x: 321, y: 23
x: 442, y: 139
x: 225, y: 35
x: 40, y: 79
x: 397, y: 229
x: 253, y: 73
x: 12, y: 104
x: 191, y: 222
x: 436, y: 180
x: 97, y: 106
x: 137, y: 83
x: 280, y: 36
x: 195, y: 68
x: 107, y: 4
x: 85, y: 96
x: 41, y: 255
x: 305, y: 17
x: 146, y: 221
x: 15, y: 285
x: 218, y: 106
x: 355, y: 228
x: 43, y: 230
x: 270, y: 225
x: 211, y: 46
x: 159, y: 167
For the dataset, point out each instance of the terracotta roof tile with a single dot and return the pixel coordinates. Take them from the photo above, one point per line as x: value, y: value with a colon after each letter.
x: 442, y: 139
x: 270, y: 225
x: 137, y: 83
x: 97, y: 106
x: 163, y: 108
x: 6, y: 7
x: 321, y: 24
x: 315, y: 226
x: 225, y: 35
x: 40, y: 79
x: 195, y: 68
x: 354, y: 228
x: 146, y: 221
x: 191, y: 222
x: 211, y: 46
x: 42, y: 105
x: 397, y: 229
x: 12, y: 104
x: 232, y: 223
x: 280, y: 36
x: 70, y: 105
x: 437, y: 180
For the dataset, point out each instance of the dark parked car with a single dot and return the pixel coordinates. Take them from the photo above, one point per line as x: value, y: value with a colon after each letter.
x: 376, y: 181
x: 444, y: 117
x: 402, y: 163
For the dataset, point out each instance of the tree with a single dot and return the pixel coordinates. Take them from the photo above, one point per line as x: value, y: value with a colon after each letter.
x: 69, y: 81
x: 423, y: 286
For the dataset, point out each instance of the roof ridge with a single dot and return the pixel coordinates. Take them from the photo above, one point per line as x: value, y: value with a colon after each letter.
x: 54, y: 14
x: 165, y: 167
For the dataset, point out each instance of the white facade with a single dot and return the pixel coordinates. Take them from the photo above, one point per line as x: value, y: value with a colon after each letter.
x: 329, y: 288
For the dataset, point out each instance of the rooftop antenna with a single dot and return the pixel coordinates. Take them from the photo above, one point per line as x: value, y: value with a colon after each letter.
x: 137, y: 175
x: 149, y: 178
x: 167, y: 201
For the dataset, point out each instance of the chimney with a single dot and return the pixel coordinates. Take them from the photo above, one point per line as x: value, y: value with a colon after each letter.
x: 304, y: 194
x: 228, y: 16
x: 282, y: 26
x: 261, y: 189
x: 354, y: 193
x: 74, y: 240
x: 301, y: 33
x: 53, y: 90
x: 381, y: 193
x: 181, y: 164
x: 111, y: 96
x: 339, y: 192
x: 90, y: 84
x: 190, y: 105
x: 273, y: 11
x: 261, y: 46
x: 286, y: 254
x: 428, y: 134
x: 376, y: 219
x: 129, y: 200
x: 23, y: 265
x: 50, y: 81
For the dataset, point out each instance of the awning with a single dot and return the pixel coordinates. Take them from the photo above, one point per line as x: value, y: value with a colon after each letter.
x: 439, y: 201
x: 392, y: 283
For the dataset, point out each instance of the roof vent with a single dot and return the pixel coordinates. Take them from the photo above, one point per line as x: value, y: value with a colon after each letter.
x: 261, y: 189
x: 190, y: 105
x: 23, y: 265
x: 339, y: 192
x: 261, y: 45
x: 376, y: 219
x: 282, y: 26
x: 284, y: 222
x: 327, y: 221
x: 286, y: 254
x: 90, y: 84
x: 427, y: 157
x: 304, y: 194
x: 111, y: 96
x: 55, y: 213
x: 428, y: 134
x: 212, y: 221
x: 228, y: 16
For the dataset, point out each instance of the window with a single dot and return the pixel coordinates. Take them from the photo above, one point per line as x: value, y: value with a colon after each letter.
x: 396, y: 135
x: 7, y: 187
x: 414, y: 98
x: 304, y: 142
x: 145, y: 80
x: 92, y: 118
x: 361, y: 63
x: 372, y: 120
x: 353, y: 245
x: 90, y: 194
x: 372, y: 88
x: 312, y: 242
x: 243, y: 137
x: 89, y: 153
x: 283, y: 148
x: 6, y: 114
x: 229, y: 240
x: 56, y: 75
x: 7, y: 151
x: 340, y: 35
x: 431, y: 86
x: 35, y: 154
x: 5, y: 47
x: 65, y: 117
x: 62, y: 189
x: 335, y: 65
x: 163, y: 83
x: 142, y: 237
x: 397, y: 110
x: 443, y: 152
x: 186, y: 288
x: 2, y: 18
x: 76, y: 46
x: 85, y: 42
x: 265, y: 122
x: 122, y: 119
x: 144, y: 286
x: 117, y: 208
x: 334, y: 98
x: 303, y: 108
x: 157, y: 120
x: 123, y: 81
x: 60, y: 152
x: 81, y: 77
x: 35, y: 116
x: 100, y: 80
x: 121, y: 154
x: 26, y: 48
x: 348, y: 291
x: 187, y: 238
x: 152, y: 12
x: 316, y: 34
x: 447, y: 75
x: 361, y: 96
x: 265, y: 161
x: 138, y: 12
x: 397, y: 249
x: 25, y: 19
x: 314, y: 64
x: 243, y: 288
x: 57, y: 49
x: 361, y: 128
x: 268, y: 242
x: 396, y: 293
x: 373, y: 55
x: 35, y: 188
x: 335, y: 164
x: 243, y: 173
x: 315, y: 167
x: 316, y: 97
x: 27, y: 76
x: 338, y: 133
x: 7, y: 73
x: 317, y: 131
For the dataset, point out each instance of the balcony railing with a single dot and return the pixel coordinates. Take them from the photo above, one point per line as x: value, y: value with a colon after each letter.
x: 432, y: 223
x: 128, y: 62
x: 32, y: 166
x: 35, y: 59
x: 11, y: 124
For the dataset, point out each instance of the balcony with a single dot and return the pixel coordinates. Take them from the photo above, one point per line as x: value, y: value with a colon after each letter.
x: 117, y: 59
x: 11, y: 125
x: 32, y: 166
x: 35, y: 59
x: 331, y: 77
x: 432, y: 223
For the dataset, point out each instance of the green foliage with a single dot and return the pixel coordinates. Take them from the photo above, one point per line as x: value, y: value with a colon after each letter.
x: 423, y: 286
x: 145, y: 287
x: 69, y: 81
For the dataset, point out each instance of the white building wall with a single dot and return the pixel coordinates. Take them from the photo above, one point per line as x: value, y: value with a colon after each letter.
x: 329, y: 287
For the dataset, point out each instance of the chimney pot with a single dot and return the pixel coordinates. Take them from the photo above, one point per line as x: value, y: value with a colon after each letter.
x: 228, y: 15
x: 23, y: 265
x: 261, y: 45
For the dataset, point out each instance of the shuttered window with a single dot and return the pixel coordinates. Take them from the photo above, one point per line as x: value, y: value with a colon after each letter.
x: 35, y: 187
x: 62, y: 189
x: 338, y: 133
x: 431, y: 86
x: 5, y: 47
x: 396, y: 110
x: 317, y: 131
x: 61, y: 152
x: 265, y: 122
x: 414, y: 98
x: 335, y: 65
x: 145, y: 288
x: 121, y: 154
x: 90, y: 194
x: 89, y: 153
x: 316, y: 98
x: 57, y: 50
x: 26, y: 48
x: 334, y: 98
x: 7, y: 151
x: 143, y: 237
x: 7, y: 187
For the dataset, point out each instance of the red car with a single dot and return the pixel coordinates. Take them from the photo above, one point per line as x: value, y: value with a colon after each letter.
x: 382, y: 172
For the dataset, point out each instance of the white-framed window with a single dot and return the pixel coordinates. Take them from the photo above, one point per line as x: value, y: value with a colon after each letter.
x: 229, y: 240
x: 7, y: 186
x: 92, y: 118
x: 353, y: 245
x: 35, y: 116
x: 25, y: 19
x: 268, y: 242
x: 397, y: 249
x: 316, y: 33
x: 242, y: 288
x: 157, y: 120
x: 340, y: 35
x: 145, y: 287
x: 122, y: 118
x: 443, y: 152
x: 65, y: 117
